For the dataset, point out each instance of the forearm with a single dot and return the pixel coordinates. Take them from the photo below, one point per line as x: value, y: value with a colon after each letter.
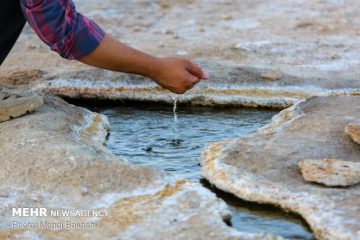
x: 116, y: 56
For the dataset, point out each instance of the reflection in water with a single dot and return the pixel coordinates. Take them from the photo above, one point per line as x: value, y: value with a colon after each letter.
x: 144, y: 135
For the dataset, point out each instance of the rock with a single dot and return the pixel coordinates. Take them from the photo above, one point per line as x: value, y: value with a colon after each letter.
x: 164, y: 3
x: 264, y: 167
x: 136, y: 29
x: 353, y: 130
x: 54, y: 158
x: 200, y: 29
x: 16, y: 102
x: 305, y: 23
x: 272, y: 75
x: 168, y: 32
x: 331, y: 172
x: 19, y: 78
x: 227, y: 17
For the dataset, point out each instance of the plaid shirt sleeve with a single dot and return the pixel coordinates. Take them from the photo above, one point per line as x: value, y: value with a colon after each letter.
x: 61, y: 27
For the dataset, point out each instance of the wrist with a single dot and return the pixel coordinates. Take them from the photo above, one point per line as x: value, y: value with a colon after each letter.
x: 152, y: 68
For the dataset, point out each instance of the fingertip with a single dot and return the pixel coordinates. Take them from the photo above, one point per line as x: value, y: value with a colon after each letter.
x: 195, y: 70
x: 205, y: 75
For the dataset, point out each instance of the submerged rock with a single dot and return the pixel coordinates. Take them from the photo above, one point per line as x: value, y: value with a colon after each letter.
x: 264, y: 167
x: 55, y: 159
x: 331, y: 172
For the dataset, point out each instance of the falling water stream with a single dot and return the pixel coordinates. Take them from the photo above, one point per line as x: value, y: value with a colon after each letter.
x: 176, y: 139
x: 151, y: 135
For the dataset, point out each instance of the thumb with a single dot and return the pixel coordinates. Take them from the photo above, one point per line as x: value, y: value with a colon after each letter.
x: 197, y: 71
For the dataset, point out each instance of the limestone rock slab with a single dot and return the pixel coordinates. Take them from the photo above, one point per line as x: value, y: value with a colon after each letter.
x: 264, y: 167
x: 54, y: 158
x: 331, y: 172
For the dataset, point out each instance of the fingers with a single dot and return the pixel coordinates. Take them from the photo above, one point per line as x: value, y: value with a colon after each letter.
x: 183, y: 75
x: 197, y: 71
x: 191, y: 81
x: 192, y: 78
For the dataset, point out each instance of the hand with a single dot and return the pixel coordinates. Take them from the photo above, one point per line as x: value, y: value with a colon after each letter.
x: 177, y: 74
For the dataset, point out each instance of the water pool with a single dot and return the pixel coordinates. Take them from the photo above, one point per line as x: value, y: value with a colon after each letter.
x: 145, y: 134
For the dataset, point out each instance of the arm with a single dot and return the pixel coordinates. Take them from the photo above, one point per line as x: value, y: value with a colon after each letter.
x: 175, y: 74
x: 74, y: 36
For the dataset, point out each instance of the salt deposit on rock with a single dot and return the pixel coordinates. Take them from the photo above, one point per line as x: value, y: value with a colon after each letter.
x: 264, y: 167
x: 353, y: 130
x: 55, y: 159
x: 331, y: 172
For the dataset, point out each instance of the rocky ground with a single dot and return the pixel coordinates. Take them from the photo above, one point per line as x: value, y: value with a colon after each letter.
x: 55, y: 158
x: 264, y: 167
x: 258, y: 53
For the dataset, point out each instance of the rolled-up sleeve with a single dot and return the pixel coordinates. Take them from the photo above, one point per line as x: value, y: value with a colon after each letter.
x: 62, y: 28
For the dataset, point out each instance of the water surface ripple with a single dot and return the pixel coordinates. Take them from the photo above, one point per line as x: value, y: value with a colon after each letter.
x: 145, y: 135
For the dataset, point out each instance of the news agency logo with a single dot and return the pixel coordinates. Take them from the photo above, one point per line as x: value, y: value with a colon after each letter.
x: 56, y: 219
x: 29, y: 212
x: 44, y: 212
